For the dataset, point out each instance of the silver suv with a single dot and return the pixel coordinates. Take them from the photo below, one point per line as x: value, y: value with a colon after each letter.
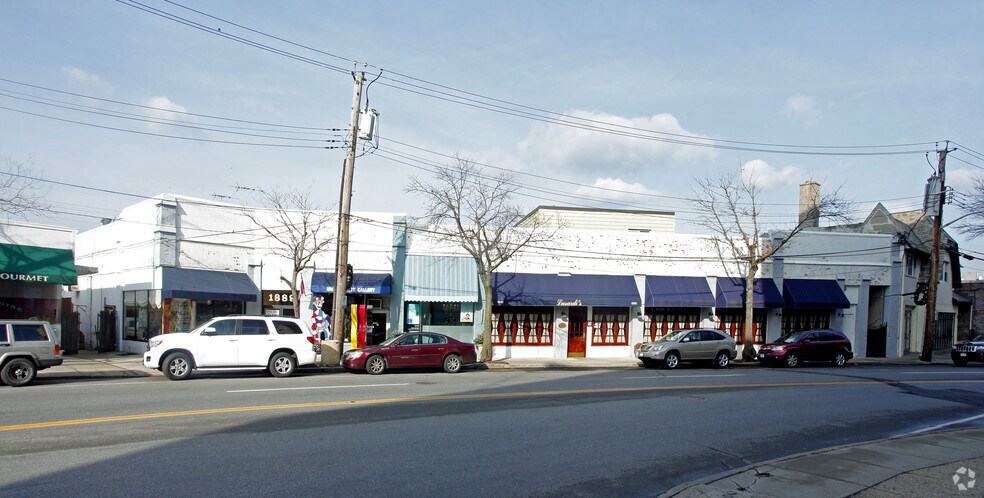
x: 688, y: 345
x: 233, y: 342
x: 26, y: 346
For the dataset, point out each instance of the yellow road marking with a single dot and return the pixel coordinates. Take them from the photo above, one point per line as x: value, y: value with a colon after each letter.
x: 383, y: 401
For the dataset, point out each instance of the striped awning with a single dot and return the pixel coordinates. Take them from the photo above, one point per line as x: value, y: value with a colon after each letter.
x: 441, y: 279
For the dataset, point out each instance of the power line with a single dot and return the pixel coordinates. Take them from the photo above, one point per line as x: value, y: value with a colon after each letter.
x: 162, y: 121
x: 184, y: 113
x: 176, y: 137
x: 443, y: 92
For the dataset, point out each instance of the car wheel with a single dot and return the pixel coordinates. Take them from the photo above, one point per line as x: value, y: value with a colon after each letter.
x: 177, y: 366
x: 722, y: 360
x: 282, y: 364
x: 452, y: 364
x: 792, y: 360
x: 18, y: 372
x: 671, y: 360
x: 376, y: 365
x: 839, y: 360
x: 648, y: 362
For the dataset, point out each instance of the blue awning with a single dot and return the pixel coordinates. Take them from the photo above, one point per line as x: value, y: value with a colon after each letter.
x: 678, y: 292
x: 201, y: 285
x: 534, y: 289
x: 731, y: 293
x: 362, y: 283
x: 813, y: 294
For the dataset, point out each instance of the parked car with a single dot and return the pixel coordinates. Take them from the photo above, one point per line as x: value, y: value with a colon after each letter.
x: 795, y: 348
x: 412, y: 350
x: 970, y: 350
x: 26, y: 346
x: 688, y: 345
x: 233, y: 342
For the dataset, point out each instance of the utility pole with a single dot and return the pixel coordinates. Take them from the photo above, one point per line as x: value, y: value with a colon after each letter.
x: 934, y: 274
x: 345, y: 206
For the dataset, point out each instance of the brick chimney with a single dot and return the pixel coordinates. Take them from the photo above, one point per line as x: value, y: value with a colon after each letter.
x: 809, y: 213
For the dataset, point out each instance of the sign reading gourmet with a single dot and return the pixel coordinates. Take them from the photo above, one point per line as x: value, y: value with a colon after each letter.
x: 43, y: 265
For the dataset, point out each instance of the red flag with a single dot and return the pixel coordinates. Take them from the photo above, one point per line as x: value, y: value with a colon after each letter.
x: 302, y: 286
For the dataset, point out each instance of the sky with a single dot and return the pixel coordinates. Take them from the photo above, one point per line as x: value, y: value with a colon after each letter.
x: 619, y: 105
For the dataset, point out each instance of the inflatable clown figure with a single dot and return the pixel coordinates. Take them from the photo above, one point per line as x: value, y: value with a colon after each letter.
x: 319, y: 322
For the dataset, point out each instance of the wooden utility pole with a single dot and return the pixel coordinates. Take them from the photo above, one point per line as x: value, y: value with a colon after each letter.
x: 344, y: 209
x: 934, y: 273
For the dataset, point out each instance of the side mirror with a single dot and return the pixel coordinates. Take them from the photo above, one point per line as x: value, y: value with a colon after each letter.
x: 209, y: 331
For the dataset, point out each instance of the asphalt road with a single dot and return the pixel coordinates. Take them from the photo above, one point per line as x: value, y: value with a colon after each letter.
x: 487, y: 433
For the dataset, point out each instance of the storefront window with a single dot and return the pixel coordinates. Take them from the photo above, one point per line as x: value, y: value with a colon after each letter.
x: 796, y: 320
x: 611, y: 327
x: 522, y: 326
x: 441, y: 314
x: 733, y: 323
x: 207, y: 310
x: 141, y: 314
x: 661, y: 321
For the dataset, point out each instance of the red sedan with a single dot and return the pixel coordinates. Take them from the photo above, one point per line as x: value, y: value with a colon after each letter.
x: 413, y: 350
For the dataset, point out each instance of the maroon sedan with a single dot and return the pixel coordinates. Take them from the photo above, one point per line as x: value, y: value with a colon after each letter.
x: 413, y: 350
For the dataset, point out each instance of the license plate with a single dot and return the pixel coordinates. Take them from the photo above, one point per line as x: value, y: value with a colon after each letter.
x: 963, y: 354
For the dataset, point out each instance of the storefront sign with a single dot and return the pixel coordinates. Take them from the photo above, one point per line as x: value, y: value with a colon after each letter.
x: 413, y: 313
x: 467, y: 315
x: 576, y: 302
x: 21, y: 277
x: 273, y: 298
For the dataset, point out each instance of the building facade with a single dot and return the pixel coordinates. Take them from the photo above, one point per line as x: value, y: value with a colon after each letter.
x: 171, y: 263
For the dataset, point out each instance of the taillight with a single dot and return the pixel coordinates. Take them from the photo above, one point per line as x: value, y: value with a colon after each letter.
x: 310, y: 339
x: 57, y: 350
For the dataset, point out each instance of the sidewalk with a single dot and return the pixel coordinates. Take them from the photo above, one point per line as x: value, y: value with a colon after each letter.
x: 930, y: 464
x: 91, y: 364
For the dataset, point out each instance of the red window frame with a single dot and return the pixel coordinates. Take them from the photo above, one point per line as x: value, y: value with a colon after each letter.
x: 733, y: 323
x: 610, y: 326
x: 522, y: 326
x: 662, y: 321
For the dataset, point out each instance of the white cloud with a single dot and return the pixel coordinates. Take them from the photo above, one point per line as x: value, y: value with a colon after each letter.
x: 86, y: 82
x: 614, y: 189
x: 962, y: 179
x: 802, y: 108
x: 764, y: 176
x: 164, y: 109
x: 575, y: 149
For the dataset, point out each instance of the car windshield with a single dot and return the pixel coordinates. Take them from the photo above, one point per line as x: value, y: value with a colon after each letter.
x: 389, y: 342
x: 673, y: 336
x: 977, y: 338
x: 791, y: 337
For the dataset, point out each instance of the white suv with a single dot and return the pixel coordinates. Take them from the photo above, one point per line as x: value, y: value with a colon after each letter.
x: 233, y: 342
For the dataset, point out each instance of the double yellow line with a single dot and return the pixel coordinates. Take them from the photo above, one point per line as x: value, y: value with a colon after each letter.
x: 450, y: 397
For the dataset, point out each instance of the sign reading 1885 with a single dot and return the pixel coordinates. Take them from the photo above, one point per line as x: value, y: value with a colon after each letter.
x: 277, y: 297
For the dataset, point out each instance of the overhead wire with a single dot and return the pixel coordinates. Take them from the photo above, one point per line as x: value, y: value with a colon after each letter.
x: 471, y: 99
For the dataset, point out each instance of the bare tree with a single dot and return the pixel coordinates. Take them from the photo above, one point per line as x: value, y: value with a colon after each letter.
x: 21, y: 191
x: 475, y: 210
x: 971, y: 223
x: 728, y: 206
x: 298, y: 229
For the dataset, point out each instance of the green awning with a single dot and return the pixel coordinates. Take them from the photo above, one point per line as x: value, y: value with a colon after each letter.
x: 43, y: 265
